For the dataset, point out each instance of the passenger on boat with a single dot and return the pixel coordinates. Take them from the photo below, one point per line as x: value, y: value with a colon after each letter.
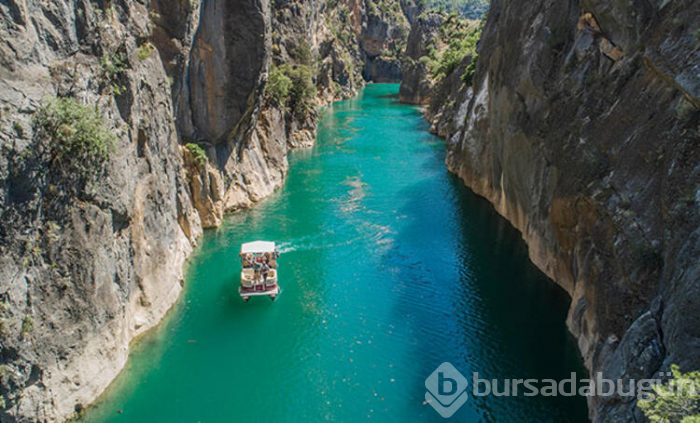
x: 271, y: 259
x: 257, y: 268
x: 265, y: 271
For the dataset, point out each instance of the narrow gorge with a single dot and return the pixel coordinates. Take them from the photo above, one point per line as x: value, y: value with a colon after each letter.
x: 579, y: 121
x: 90, y: 263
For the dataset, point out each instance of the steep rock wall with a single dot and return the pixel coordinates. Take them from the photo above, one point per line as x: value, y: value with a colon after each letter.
x: 416, y: 85
x: 222, y: 104
x: 81, y: 275
x: 382, y: 37
x: 582, y: 130
x: 228, y: 59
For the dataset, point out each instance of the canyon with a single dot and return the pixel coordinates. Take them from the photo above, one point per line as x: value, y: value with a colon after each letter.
x: 580, y: 126
x: 87, y: 269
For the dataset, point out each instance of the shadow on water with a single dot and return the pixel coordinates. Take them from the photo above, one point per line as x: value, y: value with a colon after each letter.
x: 479, y: 297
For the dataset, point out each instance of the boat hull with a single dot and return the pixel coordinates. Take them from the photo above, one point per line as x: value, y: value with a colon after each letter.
x: 247, y: 293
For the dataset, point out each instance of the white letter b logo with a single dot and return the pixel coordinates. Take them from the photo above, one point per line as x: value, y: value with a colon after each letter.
x: 446, y: 390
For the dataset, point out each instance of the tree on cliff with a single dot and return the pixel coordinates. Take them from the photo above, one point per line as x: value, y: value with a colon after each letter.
x: 678, y: 401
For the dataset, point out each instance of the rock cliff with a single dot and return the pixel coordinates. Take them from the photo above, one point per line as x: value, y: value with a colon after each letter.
x: 223, y: 104
x: 382, y: 38
x: 416, y: 84
x: 579, y: 123
x: 86, y: 265
x: 581, y: 127
x: 440, y: 52
x: 184, y: 110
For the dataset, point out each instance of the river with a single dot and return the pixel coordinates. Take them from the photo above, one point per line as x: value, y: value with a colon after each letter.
x: 389, y: 268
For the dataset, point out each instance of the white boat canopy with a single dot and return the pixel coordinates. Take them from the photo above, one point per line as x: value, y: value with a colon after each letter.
x: 258, y: 247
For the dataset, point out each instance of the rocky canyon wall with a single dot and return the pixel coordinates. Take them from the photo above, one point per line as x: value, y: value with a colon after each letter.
x: 582, y: 127
x: 86, y: 265
x: 222, y: 103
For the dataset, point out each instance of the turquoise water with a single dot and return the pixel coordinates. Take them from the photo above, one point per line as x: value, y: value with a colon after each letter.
x: 389, y: 267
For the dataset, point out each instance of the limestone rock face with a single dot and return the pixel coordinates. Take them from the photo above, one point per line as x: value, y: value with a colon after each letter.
x: 382, y: 69
x: 382, y: 38
x: 219, y: 103
x: 206, y: 189
x: 228, y: 60
x: 82, y: 274
x: 582, y: 129
x: 448, y: 102
x: 416, y: 85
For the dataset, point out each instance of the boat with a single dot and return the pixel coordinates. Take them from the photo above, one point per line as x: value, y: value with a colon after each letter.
x: 259, y: 270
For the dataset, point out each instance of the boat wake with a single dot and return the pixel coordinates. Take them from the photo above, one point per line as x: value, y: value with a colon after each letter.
x: 308, y: 244
x: 379, y: 235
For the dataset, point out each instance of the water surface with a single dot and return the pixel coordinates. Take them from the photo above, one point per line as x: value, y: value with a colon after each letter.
x: 389, y: 268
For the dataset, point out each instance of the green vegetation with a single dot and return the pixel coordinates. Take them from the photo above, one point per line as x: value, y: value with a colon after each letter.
x: 114, y: 66
x: 301, y: 53
x: 79, y: 143
x: 303, y: 91
x: 278, y: 86
x: 19, y: 130
x: 340, y: 25
x: 145, y: 51
x: 472, y: 9
x: 678, y: 401
x: 292, y: 86
x: 337, y: 89
x: 468, y: 76
x: 27, y: 325
x: 458, y: 39
x: 388, y: 9
x: 200, y: 156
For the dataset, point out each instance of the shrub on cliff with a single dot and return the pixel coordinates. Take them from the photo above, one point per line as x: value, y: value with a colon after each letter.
x: 457, y: 39
x: 468, y: 76
x: 198, y: 153
x: 301, y: 53
x: 74, y: 137
x: 676, y: 401
x: 292, y: 86
x: 278, y: 86
x: 462, y: 38
x: 145, y: 51
x: 303, y: 91
x: 473, y: 9
x: 114, y: 67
